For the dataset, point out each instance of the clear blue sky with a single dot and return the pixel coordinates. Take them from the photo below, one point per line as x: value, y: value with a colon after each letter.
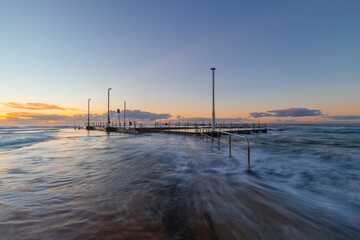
x: 157, y: 55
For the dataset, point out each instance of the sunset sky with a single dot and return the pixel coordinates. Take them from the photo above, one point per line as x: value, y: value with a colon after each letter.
x: 276, y: 61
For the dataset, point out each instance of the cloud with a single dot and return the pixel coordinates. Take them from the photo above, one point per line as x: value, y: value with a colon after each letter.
x: 290, y: 121
x: 38, y: 118
x: 260, y: 114
x: 207, y: 120
x: 36, y: 106
x: 288, y: 112
x: 342, y: 117
x: 144, y: 116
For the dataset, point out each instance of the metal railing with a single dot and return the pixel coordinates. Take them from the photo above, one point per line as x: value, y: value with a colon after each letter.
x: 215, y: 135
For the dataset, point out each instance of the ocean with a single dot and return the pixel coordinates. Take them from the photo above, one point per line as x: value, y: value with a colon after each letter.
x: 60, y: 183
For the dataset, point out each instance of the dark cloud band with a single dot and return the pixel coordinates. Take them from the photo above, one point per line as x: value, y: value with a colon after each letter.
x: 342, y: 117
x: 288, y: 112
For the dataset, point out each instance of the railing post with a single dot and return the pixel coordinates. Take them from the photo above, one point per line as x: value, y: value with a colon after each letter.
x: 212, y: 139
x: 248, y: 156
x: 230, y: 145
x: 219, y: 140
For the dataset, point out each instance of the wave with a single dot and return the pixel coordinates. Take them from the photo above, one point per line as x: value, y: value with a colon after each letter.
x: 13, y: 141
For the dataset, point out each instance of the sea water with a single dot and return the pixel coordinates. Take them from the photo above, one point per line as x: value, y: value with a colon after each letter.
x: 61, y: 183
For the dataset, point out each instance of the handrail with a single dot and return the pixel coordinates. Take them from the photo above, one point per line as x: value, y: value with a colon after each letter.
x: 227, y: 143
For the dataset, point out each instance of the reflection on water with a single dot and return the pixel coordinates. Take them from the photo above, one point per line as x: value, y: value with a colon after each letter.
x: 88, y: 185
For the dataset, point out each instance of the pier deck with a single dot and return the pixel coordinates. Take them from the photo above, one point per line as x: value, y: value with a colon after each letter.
x: 178, y: 130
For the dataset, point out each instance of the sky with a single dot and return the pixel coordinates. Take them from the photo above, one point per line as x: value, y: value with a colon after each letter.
x: 276, y: 61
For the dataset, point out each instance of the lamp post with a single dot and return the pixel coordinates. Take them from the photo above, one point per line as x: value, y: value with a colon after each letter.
x: 213, y: 98
x: 89, y: 112
x: 124, y: 113
x: 108, y: 120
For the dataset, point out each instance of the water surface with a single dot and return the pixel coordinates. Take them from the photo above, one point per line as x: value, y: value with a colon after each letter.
x: 61, y: 183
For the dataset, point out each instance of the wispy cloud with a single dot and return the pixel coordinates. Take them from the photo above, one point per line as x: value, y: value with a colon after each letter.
x: 288, y: 112
x: 206, y: 120
x: 344, y: 117
x: 261, y: 114
x: 38, y: 118
x: 36, y: 106
x: 145, y: 116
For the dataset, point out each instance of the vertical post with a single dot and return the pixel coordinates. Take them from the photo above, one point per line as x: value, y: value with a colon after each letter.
x: 219, y: 140
x: 213, y: 98
x: 108, y: 120
x: 88, y: 112
x: 212, y: 138
x: 230, y: 145
x: 248, y: 148
x: 118, y: 112
x: 124, y: 113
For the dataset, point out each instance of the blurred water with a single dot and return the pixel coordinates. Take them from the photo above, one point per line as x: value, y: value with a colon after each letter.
x: 60, y: 183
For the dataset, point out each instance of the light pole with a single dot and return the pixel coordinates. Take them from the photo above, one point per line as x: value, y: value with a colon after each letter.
x: 108, y: 121
x: 89, y: 112
x: 124, y: 113
x: 213, y: 98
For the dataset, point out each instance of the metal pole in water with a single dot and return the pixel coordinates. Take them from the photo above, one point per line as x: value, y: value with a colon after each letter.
x: 219, y: 140
x: 108, y: 122
x: 124, y: 113
x: 230, y: 145
x: 213, y: 98
x: 118, y: 112
x: 248, y: 157
x: 89, y: 112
